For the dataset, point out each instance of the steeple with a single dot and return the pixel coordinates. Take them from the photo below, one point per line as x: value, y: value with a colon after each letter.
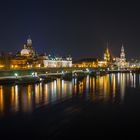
x: 122, y: 55
x: 107, y: 54
x: 122, y: 49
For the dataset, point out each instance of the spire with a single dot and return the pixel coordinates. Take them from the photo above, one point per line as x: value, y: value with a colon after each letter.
x: 107, y: 50
x: 122, y: 55
x: 107, y: 54
x: 122, y: 49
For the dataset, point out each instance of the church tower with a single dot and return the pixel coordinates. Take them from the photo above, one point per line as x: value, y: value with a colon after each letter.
x: 122, y: 54
x: 107, y: 55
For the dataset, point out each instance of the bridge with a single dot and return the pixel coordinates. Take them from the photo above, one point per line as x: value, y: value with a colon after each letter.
x: 22, y: 73
x: 48, y: 71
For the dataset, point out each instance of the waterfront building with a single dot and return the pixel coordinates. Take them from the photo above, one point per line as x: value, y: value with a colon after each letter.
x: 18, y: 62
x: 86, y: 63
x: 53, y: 61
x: 134, y: 63
x: 121, y: 62
x: 103, y: 64
x: 28, y: 58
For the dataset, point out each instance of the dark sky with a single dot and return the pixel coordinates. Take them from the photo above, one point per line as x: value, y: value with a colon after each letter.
x: 80, y: 28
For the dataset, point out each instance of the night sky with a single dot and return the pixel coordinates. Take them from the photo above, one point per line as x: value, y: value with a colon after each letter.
x: 62, y: 27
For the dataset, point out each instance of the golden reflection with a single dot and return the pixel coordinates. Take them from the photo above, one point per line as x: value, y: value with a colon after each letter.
x: 29, y: 97
x: 91, y: 85
x: 106, y: 87
x: 87, y: 84
x: 46, y: 94
x: 37, y: 94
x: 75, y: 86
x: 65, y: 89
x: 103, y: 88
x: 58, y: 88
x: 113, y: 84
x: 14, y: 98
x: 40, y: 88
x: 110, y: 87
x: 81, y: 87
x: 26, y: 98
x: 1, y: 100
x: 94, y: 84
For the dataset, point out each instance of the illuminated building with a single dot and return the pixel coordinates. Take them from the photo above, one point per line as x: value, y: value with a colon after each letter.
x: 27, y: 58
x: 134, y: 63
x: 5, y: 60
x: 102, y: 64
x: 107, y: 55
x: 18, y: 62
x: 28, y: 49
x: 86, y: 62
x: 121, y: 62
x: 53, y: 61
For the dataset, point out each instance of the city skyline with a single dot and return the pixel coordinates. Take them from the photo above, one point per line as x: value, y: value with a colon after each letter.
x: 55, y: 53
x: 69, y: 69
x: 83, y: 25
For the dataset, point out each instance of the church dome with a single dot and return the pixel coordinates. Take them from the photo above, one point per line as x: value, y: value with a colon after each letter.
x: 25, y: 52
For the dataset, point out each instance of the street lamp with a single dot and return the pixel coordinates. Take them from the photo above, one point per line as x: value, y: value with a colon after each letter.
x: 16, y: 75
x: 33, y: 74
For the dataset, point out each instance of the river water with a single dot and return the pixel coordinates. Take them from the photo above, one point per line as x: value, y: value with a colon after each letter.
x: 56, y: 107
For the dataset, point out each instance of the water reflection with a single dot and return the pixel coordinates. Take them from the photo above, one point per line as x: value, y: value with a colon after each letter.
x: 108, y: 88
x: 1, y: 100
x: 14, y: 98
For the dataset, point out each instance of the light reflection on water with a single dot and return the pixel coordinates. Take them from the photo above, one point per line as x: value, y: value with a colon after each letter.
x: 26, y: 98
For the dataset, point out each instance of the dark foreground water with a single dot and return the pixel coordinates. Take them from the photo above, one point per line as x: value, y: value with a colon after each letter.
x: 106, y: 106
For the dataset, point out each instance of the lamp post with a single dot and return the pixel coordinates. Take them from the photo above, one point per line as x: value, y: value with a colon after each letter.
x: 16, y: 75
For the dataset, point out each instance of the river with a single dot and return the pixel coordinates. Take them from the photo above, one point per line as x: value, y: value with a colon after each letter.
x: 60, y: 108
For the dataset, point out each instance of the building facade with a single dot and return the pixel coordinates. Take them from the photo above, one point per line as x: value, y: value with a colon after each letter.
x: 27, y: 58
x: 121, y: 62
x: 50, y: 62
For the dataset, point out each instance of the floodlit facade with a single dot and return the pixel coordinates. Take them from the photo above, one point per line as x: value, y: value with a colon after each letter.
x: 86, y: 63
x: 49, y: 61
x: 121, y: 62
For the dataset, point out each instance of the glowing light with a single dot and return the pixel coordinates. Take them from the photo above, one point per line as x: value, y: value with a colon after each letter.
x: 16, y: 74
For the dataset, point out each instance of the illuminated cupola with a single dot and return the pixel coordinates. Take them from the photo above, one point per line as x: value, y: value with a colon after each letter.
x: 28, y: 49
